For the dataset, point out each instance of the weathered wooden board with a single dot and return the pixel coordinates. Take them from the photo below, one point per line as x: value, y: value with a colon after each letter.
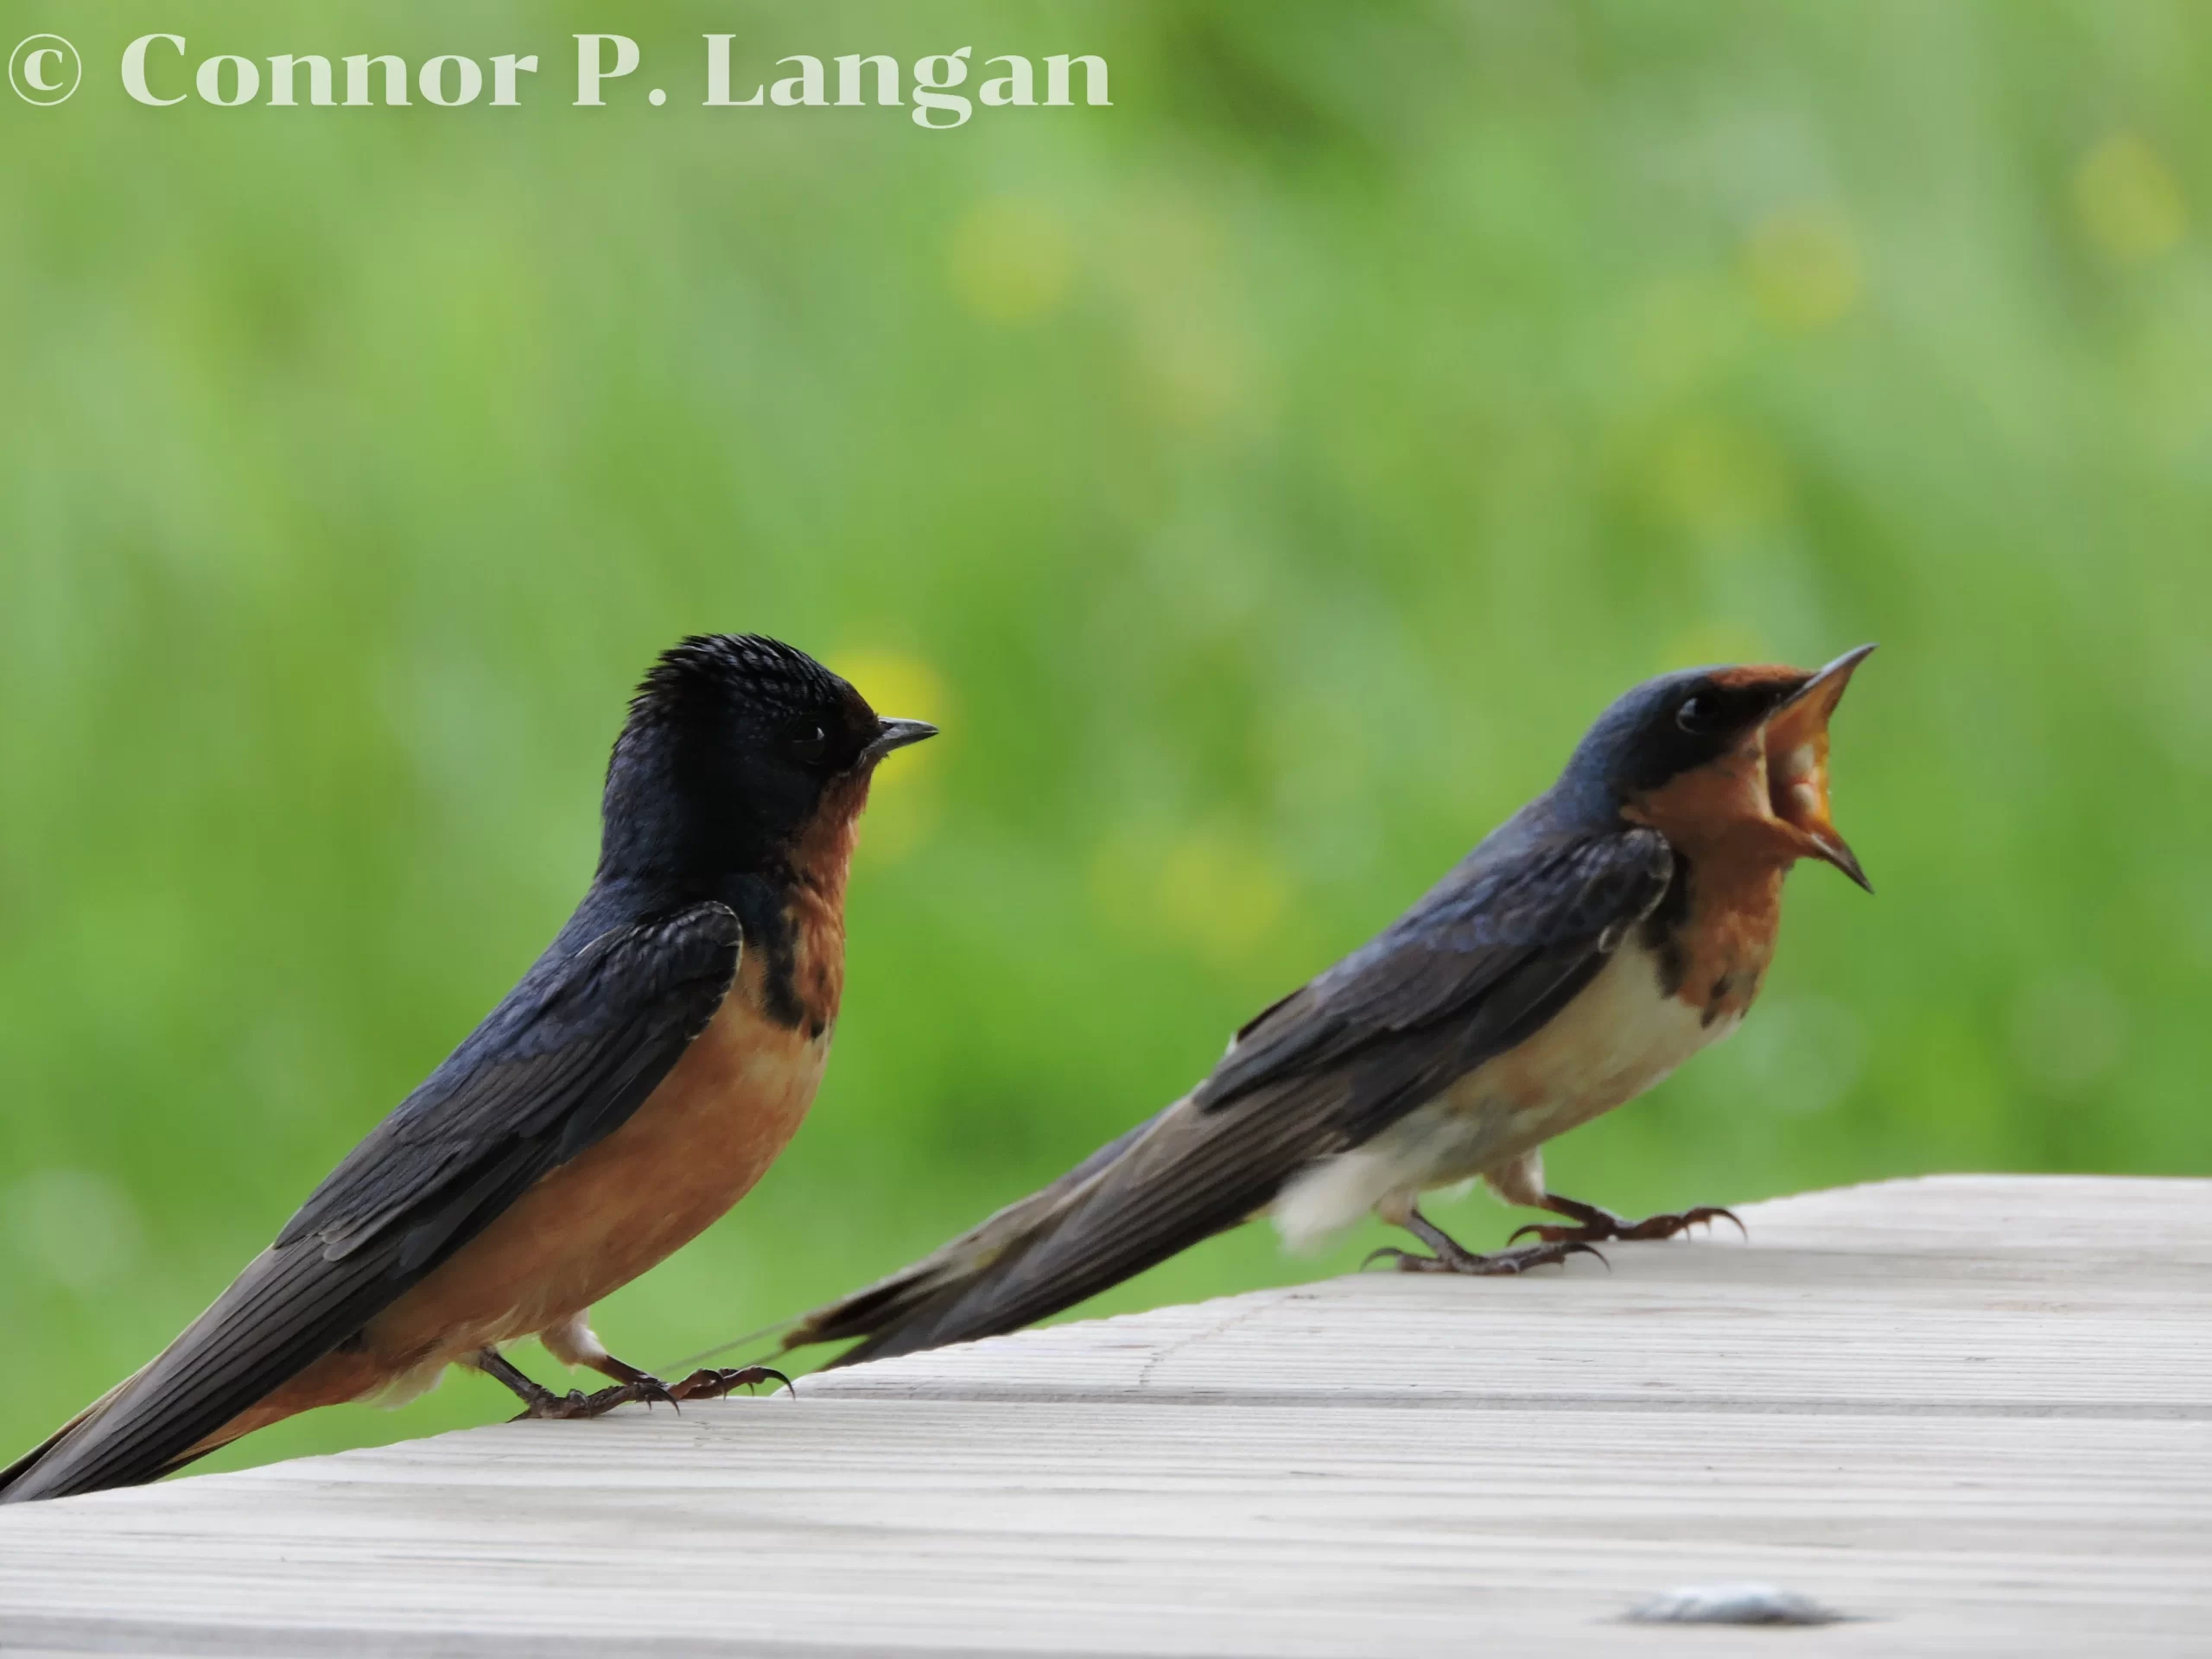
x: 1973, y: 1413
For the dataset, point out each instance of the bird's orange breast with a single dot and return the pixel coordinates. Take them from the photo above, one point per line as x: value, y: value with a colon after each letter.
x: 694, y: 1147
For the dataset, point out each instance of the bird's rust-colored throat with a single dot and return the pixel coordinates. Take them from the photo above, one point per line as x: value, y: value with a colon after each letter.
x: 820, y: 863
x: 822, y: 857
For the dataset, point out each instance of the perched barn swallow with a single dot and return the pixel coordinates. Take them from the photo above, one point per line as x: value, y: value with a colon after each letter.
x: 1603, y: 934
x: 636, y: 1083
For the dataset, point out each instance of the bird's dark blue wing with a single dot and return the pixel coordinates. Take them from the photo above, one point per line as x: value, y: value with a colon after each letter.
x: 573, y: 1051
x: 1475, y: 955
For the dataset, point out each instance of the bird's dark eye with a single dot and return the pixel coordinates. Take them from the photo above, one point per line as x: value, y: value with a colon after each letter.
x: 1697, y: 714
x: 808, y: 744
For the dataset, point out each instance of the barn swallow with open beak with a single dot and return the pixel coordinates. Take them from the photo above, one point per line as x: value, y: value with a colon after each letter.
x: 1607, y: 931
x: 630, y: 1088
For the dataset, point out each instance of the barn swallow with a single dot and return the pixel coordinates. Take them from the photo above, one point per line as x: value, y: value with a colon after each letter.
x: 632, y: 1087
x: 1604, y: 933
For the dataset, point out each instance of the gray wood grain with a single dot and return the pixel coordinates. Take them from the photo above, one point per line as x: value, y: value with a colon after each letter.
x: 1973, y: 1413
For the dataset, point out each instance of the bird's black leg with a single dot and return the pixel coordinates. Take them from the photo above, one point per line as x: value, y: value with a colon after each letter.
x: 1451, y: 1256
x: 1593, y: 1223
x: 537, y: 1400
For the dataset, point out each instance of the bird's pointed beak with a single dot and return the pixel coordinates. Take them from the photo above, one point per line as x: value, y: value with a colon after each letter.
x: 896, y: 734
x: 1797, y: 741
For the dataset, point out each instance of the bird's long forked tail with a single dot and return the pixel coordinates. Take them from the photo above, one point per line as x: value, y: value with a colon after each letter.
x: 30, y: 1476
x: 921, y: 1305
x: 38, y: 1454
x: 194, y: 1395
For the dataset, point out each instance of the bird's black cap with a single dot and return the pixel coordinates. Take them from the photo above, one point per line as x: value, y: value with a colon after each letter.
x: 731, y: 744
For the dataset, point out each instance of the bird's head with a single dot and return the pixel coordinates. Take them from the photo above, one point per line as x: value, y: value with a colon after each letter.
x: 1726, y: 758
x: 741, y: 753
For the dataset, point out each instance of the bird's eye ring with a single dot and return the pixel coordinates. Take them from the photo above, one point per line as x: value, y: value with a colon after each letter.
x: 808, y: 746
x: 1696, y: 715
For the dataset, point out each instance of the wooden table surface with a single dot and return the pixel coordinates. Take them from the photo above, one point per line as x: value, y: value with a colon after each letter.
x: 1972, y: 1413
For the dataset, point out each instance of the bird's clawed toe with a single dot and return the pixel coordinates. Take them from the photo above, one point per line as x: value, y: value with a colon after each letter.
x: 547, y: 1405
x: 1495, y: 1265
x: 1451, y: 1256
x: 1708, y: 1213
x: 577, y: 1404
x: 1593, y: 1224
x: 645, y: 1388
x: 648, y: 1389
x: 712, y: 1384
x: 1545, y: 1254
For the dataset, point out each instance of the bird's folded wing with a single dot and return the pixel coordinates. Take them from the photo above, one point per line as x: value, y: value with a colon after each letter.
x: 563, y: 1061
x: 571, y: 1053
x: 1476, y: 968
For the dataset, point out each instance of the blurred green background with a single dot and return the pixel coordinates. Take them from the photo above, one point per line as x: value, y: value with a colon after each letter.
x: 1263, y: 481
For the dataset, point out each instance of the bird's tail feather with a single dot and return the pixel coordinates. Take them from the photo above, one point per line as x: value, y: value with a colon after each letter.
x: 920, y: 1305
x: 187, y: 1399
x: 83, y: 1420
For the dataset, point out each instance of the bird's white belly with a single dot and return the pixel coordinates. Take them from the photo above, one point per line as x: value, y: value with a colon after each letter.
x: 1612, y: 1042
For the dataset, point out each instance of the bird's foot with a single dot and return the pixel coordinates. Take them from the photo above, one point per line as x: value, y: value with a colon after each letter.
x: 576, y: 1403
x: 1498, y: 1263
x: 546, y: 1405
x: 643, y: 1387
x: 712, y: 1384
x: 700, y: 1385
x: 1593, y: 1224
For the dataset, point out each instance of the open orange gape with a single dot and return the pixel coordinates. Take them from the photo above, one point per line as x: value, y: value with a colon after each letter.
x: 1794, y: 743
